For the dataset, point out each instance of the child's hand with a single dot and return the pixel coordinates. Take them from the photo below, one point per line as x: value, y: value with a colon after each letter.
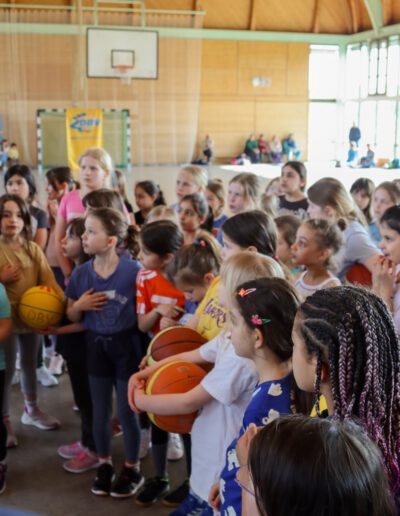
x: 50, y: 330
x: 384, y: 278
x: 133, y: 385
x: 91, y: 302
x: 10, y: 274
x: 52, y: 207
x: 170, y: 311
x: 138, y: 395
x: 166, y: 322
x: 143, y: 363
x: 214, y: 497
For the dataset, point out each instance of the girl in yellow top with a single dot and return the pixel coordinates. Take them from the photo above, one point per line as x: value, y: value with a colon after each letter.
x: 250, y: 230
x: 22, y: 266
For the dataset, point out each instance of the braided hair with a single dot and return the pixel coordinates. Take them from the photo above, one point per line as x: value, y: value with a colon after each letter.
x: 350, y: 329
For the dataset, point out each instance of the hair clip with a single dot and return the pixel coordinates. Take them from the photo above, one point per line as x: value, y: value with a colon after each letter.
x: 242, y: 292
x: 200, y: 242
x: 258, y: 321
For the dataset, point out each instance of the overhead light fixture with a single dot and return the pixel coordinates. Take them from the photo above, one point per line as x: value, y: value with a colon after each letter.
x: 258, y: 82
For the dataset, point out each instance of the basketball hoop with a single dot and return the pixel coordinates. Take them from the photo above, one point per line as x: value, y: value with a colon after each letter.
x: 123, y: 70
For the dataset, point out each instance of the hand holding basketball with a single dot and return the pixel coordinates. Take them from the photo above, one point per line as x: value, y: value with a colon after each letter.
x: 133, y: 385
x: 10, y: 274
x: 90, y: 301
x: 169, y: 311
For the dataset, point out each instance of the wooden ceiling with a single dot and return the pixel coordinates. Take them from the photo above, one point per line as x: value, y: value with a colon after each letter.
x: 309, y: 16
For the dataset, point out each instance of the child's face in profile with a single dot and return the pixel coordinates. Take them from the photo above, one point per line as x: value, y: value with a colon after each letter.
x: 304, y: 366
x: 143, y: 200
x: 71, y: 245
x: 362, y: 199
x: 214, y: 203
x: 241, y: 335
x: 193, y: 293
x: 230, y: 248
x: 390, y: 243
x: 381, y: 201
x: 236, y: 198
x: 283, y: 249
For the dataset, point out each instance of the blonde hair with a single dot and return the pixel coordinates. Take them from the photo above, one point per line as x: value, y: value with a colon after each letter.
x: 198, y: 174
x: 330, y: 192
x: 216, y: 187
x: 162, y: 213
x: 247, y: 266
x: 250, y: 184
x: 104, y: 160
x: 118, y: 181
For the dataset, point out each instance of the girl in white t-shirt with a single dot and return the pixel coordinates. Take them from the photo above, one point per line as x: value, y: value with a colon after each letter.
x: 222, y: 395
x: 316, y: 242
x: 385, y: 275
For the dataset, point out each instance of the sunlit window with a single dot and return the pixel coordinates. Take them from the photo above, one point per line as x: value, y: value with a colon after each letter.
x: 382, y: 67
x: 373, y: 69
x: 353, y: 72
x: 364, y: 71
x: 393, y: 68
x: 324, y: 72
x: 385, y: 128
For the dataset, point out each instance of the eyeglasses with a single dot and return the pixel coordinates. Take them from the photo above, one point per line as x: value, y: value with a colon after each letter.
x: 243, y: 480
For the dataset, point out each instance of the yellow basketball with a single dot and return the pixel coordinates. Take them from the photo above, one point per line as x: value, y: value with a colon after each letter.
x: 41, y: 307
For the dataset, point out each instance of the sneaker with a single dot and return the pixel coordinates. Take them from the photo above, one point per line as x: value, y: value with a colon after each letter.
x: 128, y: 482
x: 192, y: 506
x: 116, y: 428
x: 175, y: 448
x: 104, y: 478
x: 85, y: 461
x: 40, y: 420
x: 177, y: 496
x: 45, y: 378
x: 12, y: 441
x: 145, y: 442
x: 154, y: 489
x: 56, y: 364
x: 3, y: 474
x: 70, y: 451
x: 16, y: 377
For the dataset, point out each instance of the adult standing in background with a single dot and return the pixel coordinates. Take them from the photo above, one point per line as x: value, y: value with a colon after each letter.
x: 207, y: 147
x: 354, y: 134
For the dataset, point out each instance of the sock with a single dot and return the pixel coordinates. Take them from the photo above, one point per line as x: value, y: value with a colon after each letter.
x: 105, y: 460
x: 30, y: 406
x: 160, y: 459
x: 135, y: 467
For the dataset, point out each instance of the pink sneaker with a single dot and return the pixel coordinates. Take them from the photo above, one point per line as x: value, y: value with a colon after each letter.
x: 70, y: 451
x: 85, y: 461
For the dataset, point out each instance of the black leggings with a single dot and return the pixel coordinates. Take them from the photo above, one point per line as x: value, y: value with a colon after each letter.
x: 3, y: 430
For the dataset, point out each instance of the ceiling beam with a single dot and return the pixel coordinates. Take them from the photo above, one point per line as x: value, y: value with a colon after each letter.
x: 253, y: 15
x: 315, y: 20
x: 375, y: 12
x: 355, y: 16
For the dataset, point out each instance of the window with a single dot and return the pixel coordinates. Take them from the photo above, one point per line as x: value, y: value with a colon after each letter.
x: 324, y: 72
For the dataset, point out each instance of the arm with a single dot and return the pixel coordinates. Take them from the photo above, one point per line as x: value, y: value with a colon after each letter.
x: 173, y: 404
x: 147, y: 321
x: 193, y: 322
x: 41, y: 237
x: 5, y: 328
x: 65, y: 264
x: 89, y: 301
x: 371, y: 261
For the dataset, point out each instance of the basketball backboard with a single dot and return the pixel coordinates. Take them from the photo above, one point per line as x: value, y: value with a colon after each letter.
x: 109, y: 50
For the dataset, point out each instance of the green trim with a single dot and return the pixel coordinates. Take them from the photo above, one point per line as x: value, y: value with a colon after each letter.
x: 375, y: 13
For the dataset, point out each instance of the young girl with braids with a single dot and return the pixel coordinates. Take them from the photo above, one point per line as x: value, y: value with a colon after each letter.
x: 102, y: 294
x: 316, y: 242
x: 222, y: 395
x: 260, y: 331
x: 346, y: 348
x: 328, y: 199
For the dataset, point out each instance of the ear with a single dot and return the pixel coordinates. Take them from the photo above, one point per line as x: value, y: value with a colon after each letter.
x: 209, y: 278
x: 252, y: 248
x: 202, y: 219
x: 325, y: 374
x: 167, y: 258
x: 258, y: 339
x: 325, y: 254
x: 64, y: 187
x: 112, y: 241
x: 329, y: 212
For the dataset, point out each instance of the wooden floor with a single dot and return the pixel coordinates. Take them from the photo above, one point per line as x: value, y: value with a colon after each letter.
x: 36, y: 481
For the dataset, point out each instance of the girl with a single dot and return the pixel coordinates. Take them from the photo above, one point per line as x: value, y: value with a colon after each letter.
x: 243, y: 193
x: 222, y: 395
x: 194, y: 213
x: 157, y: 297
x: 286, y: 227
x: 215, y: 195
x: 191, y: 179
x: 163, y: 213
x: 293, y: 183
x: 101, y: 293
x: 81, y: 455
x: 324, y: 467
x: 19, y: 180
x: 274, y: 187
x: 95, y: 172
x: 251, y: 230
x: 329, y: 200
x: 22, y: 266
x: 387, y: 194
x: 346, y: 348
x: 362, y: 191
x: 147, y: 196
x: 119, y: 185
x: 316, y: 242
x: 261, y: 332
x: 385, y: 275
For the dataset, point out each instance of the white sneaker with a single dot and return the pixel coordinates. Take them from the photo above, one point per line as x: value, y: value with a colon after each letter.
x: 45, y: 378
x: 56, y: 364
x: 145, y: 443
x: 175, y: 448
x: 18, y: 362
x: 40, y: 420
x: 16, y: 377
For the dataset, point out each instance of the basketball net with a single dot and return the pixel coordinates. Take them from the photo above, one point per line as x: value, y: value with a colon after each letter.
x: 123, y: 71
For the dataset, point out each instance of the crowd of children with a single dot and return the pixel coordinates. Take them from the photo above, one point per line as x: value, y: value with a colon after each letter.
x: 302, y: 390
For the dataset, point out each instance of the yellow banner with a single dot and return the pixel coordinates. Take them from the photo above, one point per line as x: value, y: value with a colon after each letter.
x: 84, y: 130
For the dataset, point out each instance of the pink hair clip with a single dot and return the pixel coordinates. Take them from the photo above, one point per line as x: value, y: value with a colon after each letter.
x: 258, y: 321
x: 242, y: 292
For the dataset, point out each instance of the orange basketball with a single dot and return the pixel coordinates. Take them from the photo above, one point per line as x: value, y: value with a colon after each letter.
x: 359, y: 275
x: 174, y: 378
x: 171, y: 341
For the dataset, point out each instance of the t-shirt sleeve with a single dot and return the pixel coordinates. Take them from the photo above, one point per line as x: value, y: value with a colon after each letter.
x: 42, y: 219
x: 46, y: 275
x: 71, y: 290
x: 143, y: 304
x: 228, y: 380
x: 359, y: 247
x: 5, y: 308
x: 208, y: 351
